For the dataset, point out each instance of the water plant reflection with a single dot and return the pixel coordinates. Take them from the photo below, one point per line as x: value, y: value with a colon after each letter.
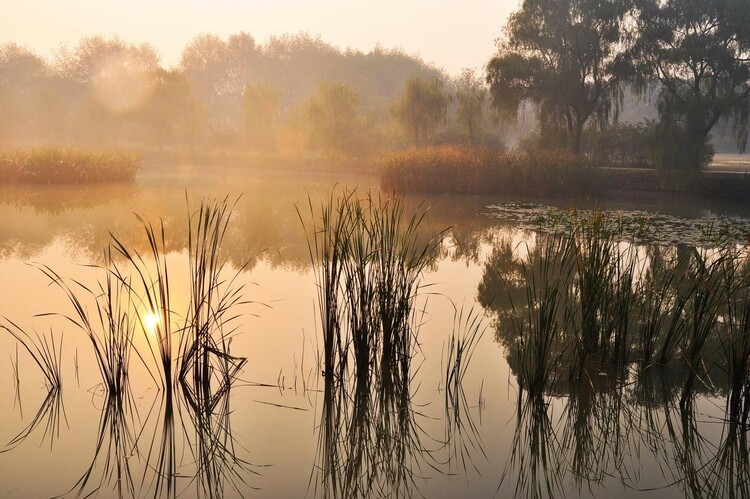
x: 573, y: 307
x: 369, y: 258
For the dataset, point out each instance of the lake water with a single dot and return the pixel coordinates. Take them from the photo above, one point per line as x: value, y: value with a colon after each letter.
x: 265, y: 438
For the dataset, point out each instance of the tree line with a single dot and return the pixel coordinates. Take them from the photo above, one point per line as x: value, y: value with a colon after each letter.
x: 572, y: 60
x: 576, y: 66
x: 293, y: 93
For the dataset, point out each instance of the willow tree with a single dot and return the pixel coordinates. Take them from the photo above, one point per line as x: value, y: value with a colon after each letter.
x: 471, y: 97
x: 699, y: 52
x: 423, y: 105
x: 566, y: 58
x: 333, y: 117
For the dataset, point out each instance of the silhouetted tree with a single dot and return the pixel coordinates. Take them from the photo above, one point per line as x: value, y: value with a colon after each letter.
x: 699, y: 51
x: 565, y: 57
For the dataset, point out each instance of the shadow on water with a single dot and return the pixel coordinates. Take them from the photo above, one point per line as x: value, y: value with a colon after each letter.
x: 605, y: 436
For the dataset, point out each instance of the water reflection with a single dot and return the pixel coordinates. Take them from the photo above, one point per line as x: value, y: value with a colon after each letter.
x: 606, y: 433
x: 655, y: 386
x: 591, y: 433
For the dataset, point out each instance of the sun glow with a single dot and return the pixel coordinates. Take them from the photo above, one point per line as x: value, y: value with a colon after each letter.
x: 151, y: 322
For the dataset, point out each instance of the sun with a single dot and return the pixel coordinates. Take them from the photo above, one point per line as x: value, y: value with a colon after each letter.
x: 151, y: 322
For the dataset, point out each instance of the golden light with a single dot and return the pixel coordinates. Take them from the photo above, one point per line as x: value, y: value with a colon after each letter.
x: 151, y: 322
x: 122, y: 84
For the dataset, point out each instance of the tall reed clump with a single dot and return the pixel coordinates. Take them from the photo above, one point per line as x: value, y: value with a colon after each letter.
x: 603, y: 297
x: 69, y: 166
x: 136, y: 289
x: 735, y: 336
x: 611, y: 303
x: 204, y: 346
x: 454, y: 169
x: 111, y: 327
x: 202, y: 357
x: 369, y: 258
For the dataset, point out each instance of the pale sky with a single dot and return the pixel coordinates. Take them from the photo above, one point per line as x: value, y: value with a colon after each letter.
x: 452, y: 34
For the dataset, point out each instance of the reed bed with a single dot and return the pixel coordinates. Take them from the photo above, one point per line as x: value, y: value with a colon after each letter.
x: 66, y: 166
x: 461, y: 170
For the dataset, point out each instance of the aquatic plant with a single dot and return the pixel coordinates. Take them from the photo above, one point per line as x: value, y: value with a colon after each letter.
x: 462, y: 437
x: 369, y: 258
x: 111, y: 328
x: 204, y: 345
x: 539, y: 329
x: 44, y: 351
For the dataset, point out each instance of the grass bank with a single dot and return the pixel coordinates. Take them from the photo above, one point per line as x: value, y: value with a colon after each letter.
x: 66, y: 166
x: 544, y: 173
x: 461, y: 170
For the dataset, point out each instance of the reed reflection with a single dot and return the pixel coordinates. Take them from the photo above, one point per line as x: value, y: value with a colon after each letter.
x: 631, y: 341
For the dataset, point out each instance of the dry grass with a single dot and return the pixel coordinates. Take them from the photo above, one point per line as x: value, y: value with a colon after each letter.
x: 462, y: 170
x: 66, y: 166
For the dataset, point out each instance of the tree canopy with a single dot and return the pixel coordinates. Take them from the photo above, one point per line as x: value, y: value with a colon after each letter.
x: 566, y: 58
x: 423, y: 105
x: 471, y: 96
x: 699, y: 52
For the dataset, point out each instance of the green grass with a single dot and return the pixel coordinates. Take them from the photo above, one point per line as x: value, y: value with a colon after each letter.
x: 66, y: 166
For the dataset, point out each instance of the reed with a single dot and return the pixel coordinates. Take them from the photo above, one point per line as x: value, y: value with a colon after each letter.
x: 369, y: 258
x: 116, y: 443
x: 462, y: 436
x: 707, y: 295
x: 66, y: 166
x: 204, y: 344
x: 454, y: 169
x: 44, y: 351
x: 539, y: 332
x: 735, y: 337
x: 111, y: 328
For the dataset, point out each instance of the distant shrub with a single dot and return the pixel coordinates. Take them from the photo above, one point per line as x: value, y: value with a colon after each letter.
x: 624, y: 145
x: 60, y: 166
x: 463, y: 170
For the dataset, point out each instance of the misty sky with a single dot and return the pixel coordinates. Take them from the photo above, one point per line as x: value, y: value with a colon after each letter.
x: 452, y: 34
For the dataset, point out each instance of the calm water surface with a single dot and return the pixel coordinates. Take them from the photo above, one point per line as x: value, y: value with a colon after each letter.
x: 600, y: 442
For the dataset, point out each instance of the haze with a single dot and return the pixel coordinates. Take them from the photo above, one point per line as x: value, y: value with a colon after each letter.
x: 447, y: 33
